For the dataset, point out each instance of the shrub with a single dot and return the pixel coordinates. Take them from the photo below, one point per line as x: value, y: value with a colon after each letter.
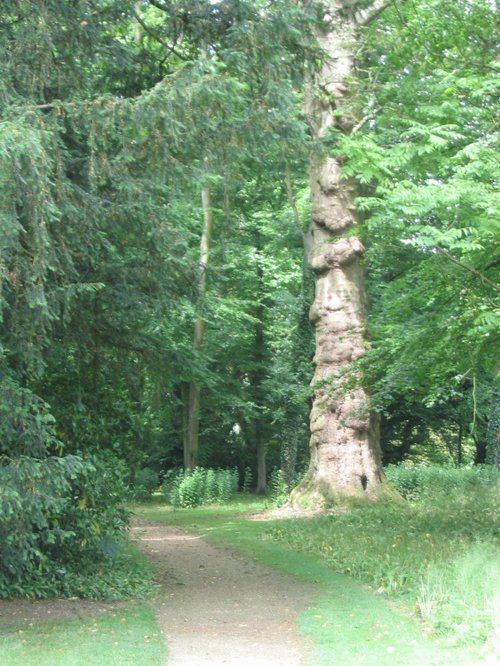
x: 59, y: 517
x: 406, y: 479
x: 247, y: 480
x: 146, y: 481
x: 227, y: 484
x: 33, y: 492
x: 190, y: 488
x: 423, y: 481
x: 170, y: 480
x: 211, y: 491
x: 278, y: 488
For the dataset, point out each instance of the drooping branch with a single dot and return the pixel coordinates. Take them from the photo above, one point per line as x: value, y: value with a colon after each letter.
x: 159, y: 5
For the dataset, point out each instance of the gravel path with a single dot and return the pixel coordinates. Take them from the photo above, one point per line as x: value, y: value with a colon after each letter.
x: 217, y: 608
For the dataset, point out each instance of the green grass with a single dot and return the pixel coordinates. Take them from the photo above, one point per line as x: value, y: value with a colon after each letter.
x: 386, y: 576
x: 348, y: 623
x: 128, y: 636
x: 418, y: 557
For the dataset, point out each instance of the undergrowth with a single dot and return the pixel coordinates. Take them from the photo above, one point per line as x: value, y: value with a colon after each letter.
x: 437, y: 549
x: 191, y: 488
x: 124, y: 574
x: 63, y: 529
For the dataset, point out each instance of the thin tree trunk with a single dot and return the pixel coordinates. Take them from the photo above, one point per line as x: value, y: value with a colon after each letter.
x: 459, y: 444
x: 493, y: 429
x: 260, y: 444
x: 192, y: 418
x: 257, y: 375
x: 306, y: 236
x: 344, y: 444
x: 185, y: 421
x: 261, y: 457
x: 480, y: 449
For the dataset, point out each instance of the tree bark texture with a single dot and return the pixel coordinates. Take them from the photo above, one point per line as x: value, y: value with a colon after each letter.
x: 192, y: 410
x: 344, y: 444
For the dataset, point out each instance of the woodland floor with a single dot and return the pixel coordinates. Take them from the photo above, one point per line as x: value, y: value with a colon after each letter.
x: 214, y: 607
x: 218, y: 608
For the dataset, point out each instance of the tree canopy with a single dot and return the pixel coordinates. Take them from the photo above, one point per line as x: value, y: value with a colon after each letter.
x: 114, y: 117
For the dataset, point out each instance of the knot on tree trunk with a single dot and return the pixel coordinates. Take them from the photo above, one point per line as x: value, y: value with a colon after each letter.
x: 334, y: 255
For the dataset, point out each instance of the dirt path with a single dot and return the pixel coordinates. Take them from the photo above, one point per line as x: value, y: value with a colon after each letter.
x: 217, y: 608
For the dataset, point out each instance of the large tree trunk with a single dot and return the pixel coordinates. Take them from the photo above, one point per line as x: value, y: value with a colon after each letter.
x: 192, y: 394
x: 344, y: 444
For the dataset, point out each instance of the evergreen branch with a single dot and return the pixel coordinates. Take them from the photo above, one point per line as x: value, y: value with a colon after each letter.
x: 305, y: 236
x: 150, y: 32
x: 160, y: 40
x: 292, y: 203
x: 57, y: 104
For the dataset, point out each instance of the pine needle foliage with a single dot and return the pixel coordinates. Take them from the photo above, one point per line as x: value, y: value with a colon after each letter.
x: 113, y: 116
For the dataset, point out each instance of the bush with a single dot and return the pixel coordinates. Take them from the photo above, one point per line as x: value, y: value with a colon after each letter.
x: 146, y: 481
x: 247, y: 480
x: 190, y: 488
x: 278, y: 488
x: 424, y: 481
x: 59, y: 517
x: 211, y: 487
x: 32, y: 493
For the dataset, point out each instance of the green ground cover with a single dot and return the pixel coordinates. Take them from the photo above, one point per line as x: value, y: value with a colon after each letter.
x: 437, y: 551
x: 406, y: 582
x: 127, y: 636
x: 428, y: 564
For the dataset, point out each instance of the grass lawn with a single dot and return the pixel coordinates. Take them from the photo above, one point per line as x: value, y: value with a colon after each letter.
x: 349, y: 623
x: 409, y: 582
x: 127, y: 636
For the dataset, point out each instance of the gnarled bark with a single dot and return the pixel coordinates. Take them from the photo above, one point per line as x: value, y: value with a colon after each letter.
x: 344, y: 444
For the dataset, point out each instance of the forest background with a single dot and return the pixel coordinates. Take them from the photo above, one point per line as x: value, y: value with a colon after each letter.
x: 154, y: 192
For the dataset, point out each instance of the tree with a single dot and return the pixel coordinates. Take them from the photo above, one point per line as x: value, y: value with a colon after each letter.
x: 238, y: 82
x: 426, y: 160
x: 56, y: 509
x: 345, y: 448
x: 192, y: 400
